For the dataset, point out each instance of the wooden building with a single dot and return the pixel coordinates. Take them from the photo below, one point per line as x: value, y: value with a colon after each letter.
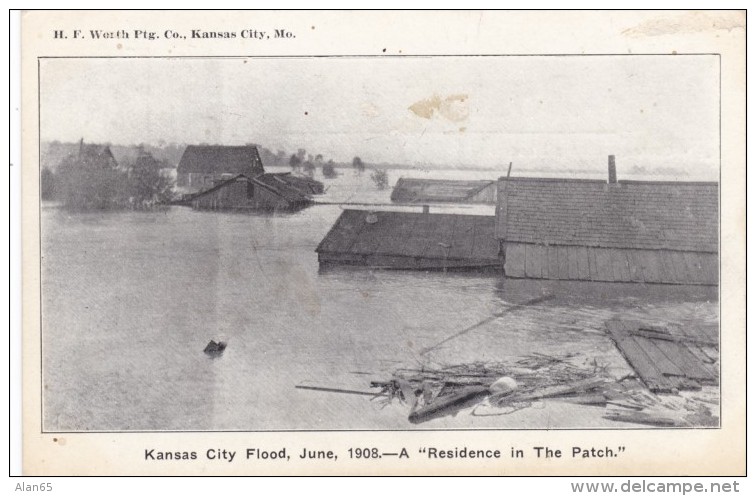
x: 411, y: 190
x: 405, y: 240
x: 615, y: 231
x: 203, y: 166
x: 263, y: 192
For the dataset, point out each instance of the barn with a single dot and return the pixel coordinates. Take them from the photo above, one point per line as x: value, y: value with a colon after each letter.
x: 613, y: 231
x: 203, y: 166
x: 412, y: 190
x: 263, y: 192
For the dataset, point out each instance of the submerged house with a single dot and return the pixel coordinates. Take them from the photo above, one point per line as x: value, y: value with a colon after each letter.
x: 567, y: 229
x: 613, y: 231
x: 411, y: 240
x: 263, y: 192
x: 203, y: 166
x: 411, y: 190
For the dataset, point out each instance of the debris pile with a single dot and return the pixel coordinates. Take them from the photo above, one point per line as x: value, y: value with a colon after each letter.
x: 502, y: 388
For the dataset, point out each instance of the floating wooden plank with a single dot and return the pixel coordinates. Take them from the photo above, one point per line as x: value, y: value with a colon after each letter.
x: 661, y: 362
x: 668, y: 336
x: 689, y: 364
x: 644, y: 418
x: 340, y: 390
x: 641, y: 363
x: 449, y: 405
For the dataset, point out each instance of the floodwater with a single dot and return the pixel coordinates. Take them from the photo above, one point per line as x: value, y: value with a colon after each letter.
x: 130, y: 299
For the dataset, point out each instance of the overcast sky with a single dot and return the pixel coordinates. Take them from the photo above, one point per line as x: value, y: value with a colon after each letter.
x: 650, y: 111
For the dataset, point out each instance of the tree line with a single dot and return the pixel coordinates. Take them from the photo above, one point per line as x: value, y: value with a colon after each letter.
x: 93, y: 180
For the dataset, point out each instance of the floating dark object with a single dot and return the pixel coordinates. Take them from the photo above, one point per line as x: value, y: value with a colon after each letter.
x: 215, y: 349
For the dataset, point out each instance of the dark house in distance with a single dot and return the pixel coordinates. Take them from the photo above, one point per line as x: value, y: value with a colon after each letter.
x: 408, y: 240
x: 616, y: 231
x: 97, y: 154
x: 263, y: 192
x: 410, y: 190
x: 203, y: 166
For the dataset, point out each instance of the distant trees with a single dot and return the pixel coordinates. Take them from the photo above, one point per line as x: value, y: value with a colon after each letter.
x: 380, y: 178
x: 309, y: 167
x: 146, y: 183
x: 47, y: 184
x: 294, y: 162
x: 329, y: 170
x: 92, y: 180
x: 358, y: 165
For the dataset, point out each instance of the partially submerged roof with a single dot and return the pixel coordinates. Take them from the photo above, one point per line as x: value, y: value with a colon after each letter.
x: 304, y: 184
x: 215, y: 159
x: 275, y: 183
x: 628, y: 214
x: 410, y: 234
x: 411, y: 190
x: 280, y: 184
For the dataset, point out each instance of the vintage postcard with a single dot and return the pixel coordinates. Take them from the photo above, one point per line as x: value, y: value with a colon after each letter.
x: 384, y: 243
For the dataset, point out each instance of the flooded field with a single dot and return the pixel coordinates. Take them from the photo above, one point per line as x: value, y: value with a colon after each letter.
x: 130, y: 299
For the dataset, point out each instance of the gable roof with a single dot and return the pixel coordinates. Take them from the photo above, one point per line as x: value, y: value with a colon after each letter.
x: 629, y: 214
x: 412, y: 234
x: 216, y: 159
x: 409, y: 190
x: 268, y: 181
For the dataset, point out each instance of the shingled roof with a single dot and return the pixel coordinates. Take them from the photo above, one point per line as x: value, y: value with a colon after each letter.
x: 628, y: 214
x: 216, y: 159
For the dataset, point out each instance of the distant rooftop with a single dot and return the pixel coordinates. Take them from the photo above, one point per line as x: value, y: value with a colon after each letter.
x: 218, y: 159
x: 411, y: 190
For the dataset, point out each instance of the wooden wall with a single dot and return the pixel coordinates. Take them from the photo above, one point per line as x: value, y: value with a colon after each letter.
x: 581, y: 263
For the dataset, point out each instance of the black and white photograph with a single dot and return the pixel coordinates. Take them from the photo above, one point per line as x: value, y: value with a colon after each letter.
x: 244, y: 231
x: 379, y: 243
